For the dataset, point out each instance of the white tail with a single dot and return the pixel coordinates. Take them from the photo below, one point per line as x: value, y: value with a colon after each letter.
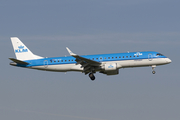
x: 21, y: 51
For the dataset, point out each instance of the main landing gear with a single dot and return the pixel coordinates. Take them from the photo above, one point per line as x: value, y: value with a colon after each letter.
x: 153, y: 67
x: 92, y: 77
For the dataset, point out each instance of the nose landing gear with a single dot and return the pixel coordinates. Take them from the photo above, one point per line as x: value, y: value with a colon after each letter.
x: 153, y: 67
x: 153, y: 72
x: 92, y: 77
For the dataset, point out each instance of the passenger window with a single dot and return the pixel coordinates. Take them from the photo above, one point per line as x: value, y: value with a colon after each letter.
x: 65, y: 60
x: 126, y: 56
x: 116, y: 57
x: 137, y: 55
x: 123, y: 56
x: 105, y: 58
x: 119, y: 56
x: 112, y: 57
x: 51, y: 61
x: 108, y: 57
x: 61, y: 60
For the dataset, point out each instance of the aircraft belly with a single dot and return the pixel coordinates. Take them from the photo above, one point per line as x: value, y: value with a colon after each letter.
x: 139, y: 62
x: 143, y: 62
x: 58, y: 68
x: 76, y: 68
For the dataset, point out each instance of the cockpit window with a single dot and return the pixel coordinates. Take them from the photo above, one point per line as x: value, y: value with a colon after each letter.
x: 159, y: 54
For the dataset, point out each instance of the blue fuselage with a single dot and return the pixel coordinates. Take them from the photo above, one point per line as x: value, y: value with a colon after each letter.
x: 116, y: 57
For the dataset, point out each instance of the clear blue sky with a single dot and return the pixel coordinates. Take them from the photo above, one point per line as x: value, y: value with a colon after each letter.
x: 90, y: 27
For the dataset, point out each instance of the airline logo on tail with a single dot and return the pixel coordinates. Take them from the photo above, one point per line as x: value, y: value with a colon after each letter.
x: 21, y: 49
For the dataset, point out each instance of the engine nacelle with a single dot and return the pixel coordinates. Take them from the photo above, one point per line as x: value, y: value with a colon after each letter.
x: 110, y: 69
x: 110, y: 66
x: 112, y: 72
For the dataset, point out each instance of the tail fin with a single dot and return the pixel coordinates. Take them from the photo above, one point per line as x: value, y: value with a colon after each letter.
x: 21, y: 51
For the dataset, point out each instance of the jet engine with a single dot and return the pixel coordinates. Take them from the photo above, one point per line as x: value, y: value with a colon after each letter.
x: 110, y: 69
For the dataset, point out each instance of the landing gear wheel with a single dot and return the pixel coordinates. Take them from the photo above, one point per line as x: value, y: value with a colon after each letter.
x: 92, y: 77
x: 153, y: 67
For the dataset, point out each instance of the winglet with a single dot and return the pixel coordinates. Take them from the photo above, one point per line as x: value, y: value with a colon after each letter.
x: 70, y: 52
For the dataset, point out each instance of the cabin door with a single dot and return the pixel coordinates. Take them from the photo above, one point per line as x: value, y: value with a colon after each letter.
x: 45, y: 63
x: 150, y: 57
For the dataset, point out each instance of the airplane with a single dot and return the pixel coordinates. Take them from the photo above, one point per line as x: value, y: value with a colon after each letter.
x: 108, y: 64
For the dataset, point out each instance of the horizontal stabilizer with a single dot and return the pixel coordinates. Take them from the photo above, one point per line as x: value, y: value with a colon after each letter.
x: 19, y: 61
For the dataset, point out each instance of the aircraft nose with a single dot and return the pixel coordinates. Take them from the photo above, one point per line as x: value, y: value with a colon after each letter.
x: 168, y: 60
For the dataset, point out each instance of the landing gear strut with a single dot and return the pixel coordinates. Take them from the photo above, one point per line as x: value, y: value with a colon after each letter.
x: 92, y: 77
x: 153, y: 67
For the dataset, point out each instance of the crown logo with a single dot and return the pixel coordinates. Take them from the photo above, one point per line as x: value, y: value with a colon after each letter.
x: 138, y: 53
x: 20, y: 47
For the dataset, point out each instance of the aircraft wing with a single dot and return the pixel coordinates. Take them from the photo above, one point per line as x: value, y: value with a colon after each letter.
x: 87, y: 64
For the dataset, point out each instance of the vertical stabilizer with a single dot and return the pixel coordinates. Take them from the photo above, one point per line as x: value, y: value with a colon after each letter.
x: 21, y: 51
